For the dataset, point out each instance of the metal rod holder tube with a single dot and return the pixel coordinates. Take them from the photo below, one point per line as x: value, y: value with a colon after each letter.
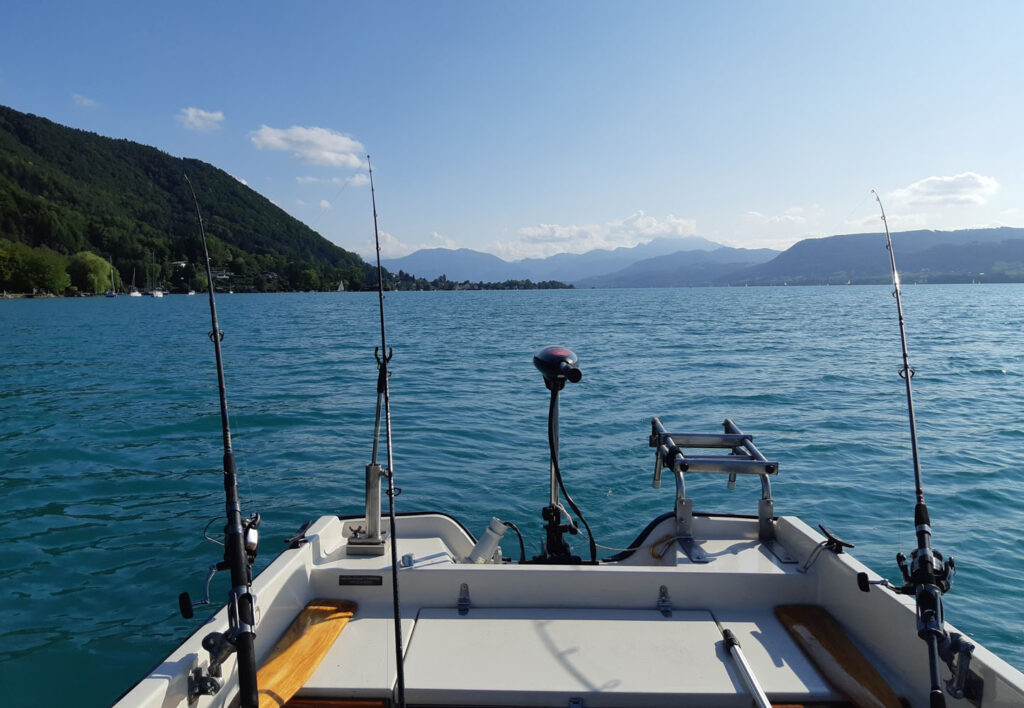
x: 373, y: 504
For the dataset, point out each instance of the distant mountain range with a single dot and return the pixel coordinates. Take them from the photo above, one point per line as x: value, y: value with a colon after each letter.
x: 466, y: 264
x: 983, y: 255
x: 683, y: 268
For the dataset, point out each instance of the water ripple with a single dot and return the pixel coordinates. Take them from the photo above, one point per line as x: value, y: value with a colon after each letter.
x: 110, y: 435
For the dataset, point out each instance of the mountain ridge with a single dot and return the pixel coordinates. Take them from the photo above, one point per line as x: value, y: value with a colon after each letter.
x: 72, y: 190
x: 925, y: 255
x: 470, y: 264
x: 922, y: 255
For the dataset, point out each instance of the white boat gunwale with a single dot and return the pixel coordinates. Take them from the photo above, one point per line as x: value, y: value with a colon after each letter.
x: 312, y: 570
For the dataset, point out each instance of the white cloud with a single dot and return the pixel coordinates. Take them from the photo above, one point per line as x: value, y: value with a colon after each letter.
x: 356, y: 180
x: 83, y: 101
x: 300, y: 202
x: 548, y: 239
x: 897, y: 220
x: 313, y: 146
x: 199, y: 120
x: 437, y: 241
x: 793, y: 215
x: 324, y: 204
x: 966, y: 188
x: 392, y: 247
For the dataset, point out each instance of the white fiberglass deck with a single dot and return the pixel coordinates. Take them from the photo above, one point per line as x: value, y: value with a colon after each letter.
x: 555, y: 635
x: 522, y: 642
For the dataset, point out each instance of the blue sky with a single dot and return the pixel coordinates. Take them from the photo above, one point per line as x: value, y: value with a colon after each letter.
x: 530, y: 128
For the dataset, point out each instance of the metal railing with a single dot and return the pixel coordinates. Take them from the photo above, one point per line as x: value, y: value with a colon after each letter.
x: 743, y: 458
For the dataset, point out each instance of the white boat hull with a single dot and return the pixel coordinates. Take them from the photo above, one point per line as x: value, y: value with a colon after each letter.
x: 557, y: 635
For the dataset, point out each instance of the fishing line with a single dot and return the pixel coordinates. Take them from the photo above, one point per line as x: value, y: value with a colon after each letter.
x: 841, y: 226
x: 323, y: 209
x: 859, y: 205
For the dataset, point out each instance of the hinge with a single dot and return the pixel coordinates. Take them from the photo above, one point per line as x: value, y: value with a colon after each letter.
x: 463, y: 603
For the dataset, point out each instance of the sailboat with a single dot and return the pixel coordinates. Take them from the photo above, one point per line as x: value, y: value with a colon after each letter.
x: 152, y: 291
x: 134, y: 292
x: 113, y: 291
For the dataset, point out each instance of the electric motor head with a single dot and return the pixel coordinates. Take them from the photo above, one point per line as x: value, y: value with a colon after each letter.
x: 557, y: 365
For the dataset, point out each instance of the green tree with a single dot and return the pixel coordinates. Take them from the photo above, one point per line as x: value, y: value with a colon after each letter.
x: 90, y: 273
x: 39, y: 270
x: 7, y: 260
x: 309, y: 280
x: 74, y: 191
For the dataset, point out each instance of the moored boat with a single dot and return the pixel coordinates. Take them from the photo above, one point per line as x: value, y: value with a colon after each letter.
x: 134, y: 292
x: 113, y: 289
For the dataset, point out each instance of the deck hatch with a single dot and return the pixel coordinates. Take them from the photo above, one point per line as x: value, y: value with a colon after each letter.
x: 607, y: 657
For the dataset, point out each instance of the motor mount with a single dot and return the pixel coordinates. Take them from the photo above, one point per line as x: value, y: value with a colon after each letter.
x: 557, y: 365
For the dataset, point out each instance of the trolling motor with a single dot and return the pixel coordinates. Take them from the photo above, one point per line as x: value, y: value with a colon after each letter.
x: 558, y: 365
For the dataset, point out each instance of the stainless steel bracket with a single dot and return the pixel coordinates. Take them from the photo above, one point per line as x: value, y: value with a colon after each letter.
x: 664, y: 602
x: 684, y: 532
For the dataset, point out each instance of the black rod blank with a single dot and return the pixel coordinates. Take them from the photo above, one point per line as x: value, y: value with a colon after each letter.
x: 240, y: 600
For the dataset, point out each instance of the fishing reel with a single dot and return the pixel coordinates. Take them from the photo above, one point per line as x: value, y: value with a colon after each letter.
x: 944, y: 569
x: 952, y: 647
x: 220, y: 645
x: 251, y: 542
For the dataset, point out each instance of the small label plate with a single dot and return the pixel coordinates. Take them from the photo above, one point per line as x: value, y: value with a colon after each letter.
x: 360, y: 580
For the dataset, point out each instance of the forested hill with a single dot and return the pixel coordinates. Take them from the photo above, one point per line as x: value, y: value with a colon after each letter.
x: 71, y: 191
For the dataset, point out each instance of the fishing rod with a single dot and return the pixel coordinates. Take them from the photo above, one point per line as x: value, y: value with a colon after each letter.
x: 384, y: 394
x: 929, y: 576
x: 240, y: 546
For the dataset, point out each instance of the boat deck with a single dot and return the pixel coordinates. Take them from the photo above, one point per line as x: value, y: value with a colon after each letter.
x: 643, y: 631
x: 539, y: 635
x: 543, y: 657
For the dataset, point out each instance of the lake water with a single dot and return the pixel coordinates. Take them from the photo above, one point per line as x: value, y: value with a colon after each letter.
x: 110, y: 437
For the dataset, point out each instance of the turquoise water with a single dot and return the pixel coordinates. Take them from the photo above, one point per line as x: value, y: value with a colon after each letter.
x: 110, y: 437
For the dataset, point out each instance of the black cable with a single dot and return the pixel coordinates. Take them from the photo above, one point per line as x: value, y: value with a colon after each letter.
x: 558, y: 473
x: 522, y: 547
